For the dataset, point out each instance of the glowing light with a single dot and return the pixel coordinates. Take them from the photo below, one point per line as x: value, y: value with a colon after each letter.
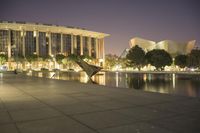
x: 100, y: 60
x: 34, y: 33
x: 1, y: 75
x: 77, y: 69
x: 145, y: 77
x: 40, y: 74
x: 117, y: 67
x: 29, y: 73
x: 173, y: 80
x: 83, y: 77
x: 117, y: 79
x: 192, y: 69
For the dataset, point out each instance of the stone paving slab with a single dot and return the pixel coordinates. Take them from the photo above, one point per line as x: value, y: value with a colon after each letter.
x: 181, y: 124
x: 78, y: 108
x: 4, y: 117
x: 34, y: 114
x: 23, y: 105
x: 136, y: 128
x: 8, y: 128
x: 105, y: 119
x: 53, y: 125
x: 112, y: 104
x: 176, y: 107
x: 39, y: 105
x: 145, y: 114
x: 57, y: 100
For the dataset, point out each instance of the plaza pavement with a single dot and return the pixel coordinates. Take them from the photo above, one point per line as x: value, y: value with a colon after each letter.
x: 39, y: 105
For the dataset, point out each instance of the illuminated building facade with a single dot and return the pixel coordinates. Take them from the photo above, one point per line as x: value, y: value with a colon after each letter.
x: 172, y: 47
x: 25, y: 39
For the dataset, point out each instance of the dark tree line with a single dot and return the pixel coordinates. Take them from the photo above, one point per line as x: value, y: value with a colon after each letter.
x: 136, y: 57
x: 160, y: 58
x: 191, y: 60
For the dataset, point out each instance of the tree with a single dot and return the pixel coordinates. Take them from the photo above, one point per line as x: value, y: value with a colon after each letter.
x: 181, y: 61
x: 194, y: 58
x: 70, y: 61
x: 31, y: 58
x: 20, y: 59
x: 122, y: 62
x: 47, y: 58
x: 110, y: 61
x: 87, y: 58
x: 158, y: 58
x: 3, y: 59
x: 59, y: 58
x: 45, y: 61
x: 136, y: 56
x: 72, y: 57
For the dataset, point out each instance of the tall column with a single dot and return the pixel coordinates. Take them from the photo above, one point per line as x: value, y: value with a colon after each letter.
x: 37, y: 42
x: 23, y: 42
x: 75, y: 44
x: 89, y: 46
x: 81, y: 44
x: 49, y: 36
x: 97, y: 48
x: 101, y: 48
x: 72, y: 45
x: 103, y: 52
x: 61, y: 48
x: 9, y: 44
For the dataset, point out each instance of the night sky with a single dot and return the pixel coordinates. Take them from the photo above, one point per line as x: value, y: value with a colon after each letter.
x: 177, y: 20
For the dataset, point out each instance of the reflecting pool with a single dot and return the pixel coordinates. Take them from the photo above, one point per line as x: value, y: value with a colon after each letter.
x: 179, y: 84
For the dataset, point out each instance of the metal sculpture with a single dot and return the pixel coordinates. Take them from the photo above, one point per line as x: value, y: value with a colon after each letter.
x: 89, y: 69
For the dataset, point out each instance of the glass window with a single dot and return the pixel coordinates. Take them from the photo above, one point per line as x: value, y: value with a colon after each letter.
x: 55, y: 43
x: 43, y: 48
x: 4, y: 38
x: 93, y: 47
x: 30, y: 43
x: 66, y: 44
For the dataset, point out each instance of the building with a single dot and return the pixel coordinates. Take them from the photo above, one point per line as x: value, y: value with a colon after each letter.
x: 25, y: 39
x: 174, y: 48
x: 147, y: 45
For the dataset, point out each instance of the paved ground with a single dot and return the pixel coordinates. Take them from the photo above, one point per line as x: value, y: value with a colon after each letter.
x: 38, y: 105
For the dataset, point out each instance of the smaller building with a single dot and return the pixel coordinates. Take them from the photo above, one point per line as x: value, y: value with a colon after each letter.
x: 172, y: 47
x: 175, y: 48
x: 145, y: 44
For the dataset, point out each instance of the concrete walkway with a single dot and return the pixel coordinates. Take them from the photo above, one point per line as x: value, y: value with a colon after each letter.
x: 39, y: 105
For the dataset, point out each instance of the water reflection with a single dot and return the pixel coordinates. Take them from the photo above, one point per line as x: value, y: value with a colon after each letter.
x: 136, y: 82
x: 117, y: 79
x: 188, y: 85
x: 174, y: 80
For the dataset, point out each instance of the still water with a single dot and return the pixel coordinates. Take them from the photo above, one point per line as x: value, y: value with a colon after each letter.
x: 179, y: 84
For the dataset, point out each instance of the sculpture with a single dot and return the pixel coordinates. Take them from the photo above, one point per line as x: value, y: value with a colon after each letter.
x: 89, y: 69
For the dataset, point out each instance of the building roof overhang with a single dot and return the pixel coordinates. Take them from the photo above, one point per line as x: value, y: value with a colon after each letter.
x: 50, y: 28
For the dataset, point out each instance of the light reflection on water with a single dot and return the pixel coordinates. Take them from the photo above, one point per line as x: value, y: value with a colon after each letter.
x: 188, y: 85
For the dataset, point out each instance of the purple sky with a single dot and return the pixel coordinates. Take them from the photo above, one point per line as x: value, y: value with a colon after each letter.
x: 177, y: 20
